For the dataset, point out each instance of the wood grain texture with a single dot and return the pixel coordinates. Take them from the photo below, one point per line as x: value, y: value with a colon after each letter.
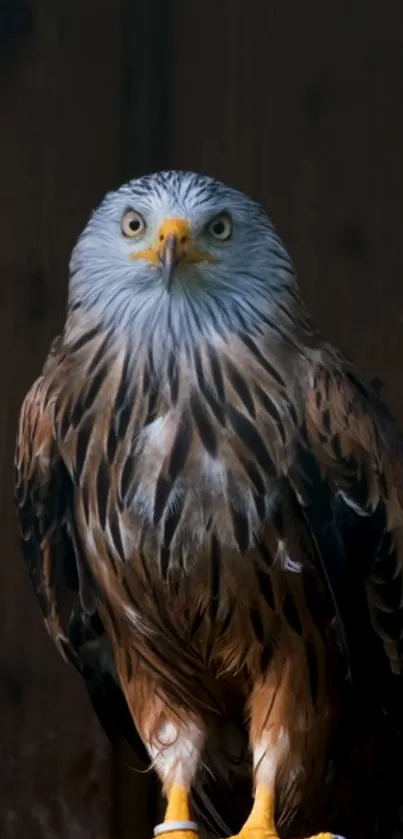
x: 148, y: 28
x: 59, y: 85
x: 300, y: 104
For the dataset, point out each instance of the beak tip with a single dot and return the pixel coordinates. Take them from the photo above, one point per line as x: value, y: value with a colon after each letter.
x: 168, y: 258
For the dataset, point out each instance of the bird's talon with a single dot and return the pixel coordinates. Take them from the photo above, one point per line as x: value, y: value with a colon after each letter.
x: 258, y: 832
x: 261, y: 825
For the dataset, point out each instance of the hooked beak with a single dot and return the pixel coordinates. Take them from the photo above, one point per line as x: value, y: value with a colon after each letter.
x: 169, y: 256
x: 174, y: 246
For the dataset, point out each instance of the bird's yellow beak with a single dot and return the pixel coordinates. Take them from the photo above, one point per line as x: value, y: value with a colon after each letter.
x: 174, y: 246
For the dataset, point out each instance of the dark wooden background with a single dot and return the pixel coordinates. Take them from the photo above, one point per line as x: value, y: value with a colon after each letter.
x: 300, y: 104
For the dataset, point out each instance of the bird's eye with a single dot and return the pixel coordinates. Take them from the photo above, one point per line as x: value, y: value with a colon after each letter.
x: 132, y: 224
x: 220, y: 227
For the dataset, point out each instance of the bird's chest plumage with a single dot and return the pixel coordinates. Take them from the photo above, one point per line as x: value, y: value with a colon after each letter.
x: 195, y: 542
x: 180, y: 502
x: 178, y: 498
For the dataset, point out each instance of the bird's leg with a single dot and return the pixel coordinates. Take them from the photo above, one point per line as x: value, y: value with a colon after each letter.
x: 271, y: 748
x: 174, y: 741
x: 261, y: 823
x: 175, y: 751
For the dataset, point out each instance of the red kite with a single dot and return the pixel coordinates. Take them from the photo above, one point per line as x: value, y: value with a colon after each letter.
x: 210, y: 503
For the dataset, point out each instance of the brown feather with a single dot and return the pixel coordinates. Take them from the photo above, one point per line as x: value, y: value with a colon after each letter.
x: 187, y: 527
x: 360, y: 451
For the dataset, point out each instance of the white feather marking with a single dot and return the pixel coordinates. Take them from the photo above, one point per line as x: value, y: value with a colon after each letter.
x: 214, y: 472
x: 156, y: 435
x: 267, y: 756
x: 292, y: 565
x: 285, y: 560
x: 90, y: 541
x: 361, y: 511
x: 131, y: 614
x: 176, y: 753
x: 153, y: 443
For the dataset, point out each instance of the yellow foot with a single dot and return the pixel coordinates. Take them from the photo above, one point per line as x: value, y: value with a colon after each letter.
x: 169, y: 833
x: 176, y: 834
x: 260, y: 832
x: 260, y: 824
x: 177, y: 823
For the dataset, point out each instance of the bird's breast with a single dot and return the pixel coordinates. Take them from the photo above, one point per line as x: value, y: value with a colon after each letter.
x: 184, y: 492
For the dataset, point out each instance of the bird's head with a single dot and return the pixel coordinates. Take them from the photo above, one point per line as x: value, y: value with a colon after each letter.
x: 178, y: 252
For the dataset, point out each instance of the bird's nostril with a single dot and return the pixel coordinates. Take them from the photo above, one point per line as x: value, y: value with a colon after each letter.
x: 162, y: 237
x: 183, y: 239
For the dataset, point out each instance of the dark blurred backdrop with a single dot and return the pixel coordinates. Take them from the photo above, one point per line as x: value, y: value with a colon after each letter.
x: 299, y: 103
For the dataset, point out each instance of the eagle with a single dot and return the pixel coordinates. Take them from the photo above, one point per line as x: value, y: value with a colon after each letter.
x: 210, y: 506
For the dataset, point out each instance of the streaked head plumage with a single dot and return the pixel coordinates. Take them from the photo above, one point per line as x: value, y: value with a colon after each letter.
x: 178, y: 251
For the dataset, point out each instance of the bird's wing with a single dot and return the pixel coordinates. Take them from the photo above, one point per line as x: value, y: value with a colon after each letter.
x: 354, y: 444
x: 56, y: 565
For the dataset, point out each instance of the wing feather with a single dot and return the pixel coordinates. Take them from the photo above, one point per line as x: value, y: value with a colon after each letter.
x: 60, y: 577
x: 359, y: 449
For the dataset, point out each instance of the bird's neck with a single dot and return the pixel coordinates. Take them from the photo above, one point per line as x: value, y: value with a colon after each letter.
x: 179, y: 331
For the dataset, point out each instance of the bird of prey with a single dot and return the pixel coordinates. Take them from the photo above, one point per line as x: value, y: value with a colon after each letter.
x: 210, y: 501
